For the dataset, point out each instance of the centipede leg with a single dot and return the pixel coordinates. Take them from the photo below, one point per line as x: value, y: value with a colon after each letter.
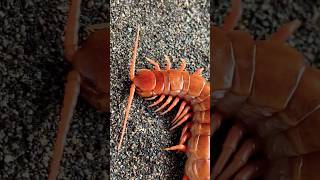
x: 230, y: 145
x: 251, y: 171
x: 168, y: 67
x: 199, y: 71
x: 181, y: 108
x: 184, y: 138
x: 285, y: 31
x: 174, y: 103
x: 240, y: 159
x: 184, y: 113
x: 216, y: 122
x: 179, y: 147
x: 184, y: 119
x: 158, y: 101
x: 151, y: 98
x: 154, y: 63
x: 232, y: 19
x: 169, y: 99
x: 185, y: 129
x: 183, y: 65
x: 185, y: 135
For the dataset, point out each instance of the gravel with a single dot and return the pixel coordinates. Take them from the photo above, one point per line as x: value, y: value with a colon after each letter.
x: 179, y: 29
x: 32, y: 80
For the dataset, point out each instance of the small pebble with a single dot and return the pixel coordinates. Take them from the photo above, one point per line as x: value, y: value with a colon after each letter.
x: 8, y: 158
x: 89, y: 156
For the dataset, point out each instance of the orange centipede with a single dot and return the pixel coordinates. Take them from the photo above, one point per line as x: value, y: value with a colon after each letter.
x: 173, y: 86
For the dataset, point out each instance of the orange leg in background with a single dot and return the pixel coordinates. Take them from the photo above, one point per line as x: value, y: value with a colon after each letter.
x: 217, y: 120
x: 247, y: 149
x: 72, y: 91
x: 285, y: 31
x: 251, y: 171
x: 229, y: 147
x: 231, y: 20
x: 71, y: 30
x: 72, y: 87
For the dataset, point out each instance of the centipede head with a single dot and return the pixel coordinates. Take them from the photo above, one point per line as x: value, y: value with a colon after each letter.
x: 145, y: 82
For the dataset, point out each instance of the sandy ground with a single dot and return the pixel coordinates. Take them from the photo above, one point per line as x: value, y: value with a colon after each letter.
x: 31, y: 91
x: 178, y: 29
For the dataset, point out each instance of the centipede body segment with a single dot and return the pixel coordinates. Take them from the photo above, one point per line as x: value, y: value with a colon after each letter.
x: 269, y: 88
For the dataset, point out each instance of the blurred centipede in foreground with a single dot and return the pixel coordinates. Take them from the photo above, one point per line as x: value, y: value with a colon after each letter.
x: 193, y: 91
x: 274, y: 94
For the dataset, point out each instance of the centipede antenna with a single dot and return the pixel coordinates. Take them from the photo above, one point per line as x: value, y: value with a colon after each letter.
x: 132, y: 88
x: 71, y: 30
x: 72, y: 91
x: 124, y: 125
x: 134, y: 55
x: 231, y: 20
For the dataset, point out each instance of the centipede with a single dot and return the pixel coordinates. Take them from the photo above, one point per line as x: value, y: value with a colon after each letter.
x: 269, y: 90
x: 192, y: 92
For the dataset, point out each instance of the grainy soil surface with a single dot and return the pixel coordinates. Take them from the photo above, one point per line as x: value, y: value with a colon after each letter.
x: 32, y: 76
x: 179, y: 29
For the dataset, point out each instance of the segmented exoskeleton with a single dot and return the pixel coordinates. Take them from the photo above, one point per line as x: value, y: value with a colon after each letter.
x: 269, y: 87
x: 193, y: 91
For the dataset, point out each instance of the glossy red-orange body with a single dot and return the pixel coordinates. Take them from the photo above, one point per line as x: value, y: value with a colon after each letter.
x: 268, y: 85
x: 92, y: 62
x: 195, y: 90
